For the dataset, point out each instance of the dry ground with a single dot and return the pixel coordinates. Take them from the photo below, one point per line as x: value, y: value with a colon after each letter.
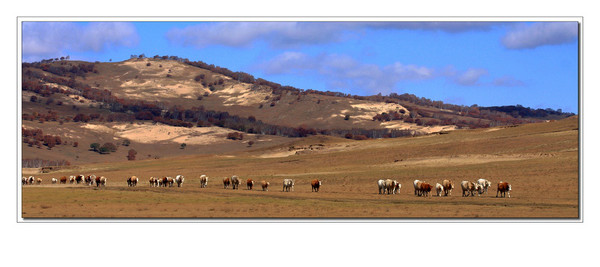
x: 541, y: 161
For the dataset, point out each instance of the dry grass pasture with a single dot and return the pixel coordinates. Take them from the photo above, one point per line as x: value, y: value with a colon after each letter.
x: 540, y: 160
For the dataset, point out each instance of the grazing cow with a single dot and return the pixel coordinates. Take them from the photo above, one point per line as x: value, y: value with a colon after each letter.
x: 226, y: 182
x: 159, y: 182
x: 288, y: 184
x: 101, y: 181
x: 381, y: 185
x: 39, y: 181
x: 315, y: 184
x: 203, y: 181
x: 424, y: 189
x: 24, y: 181
x: 479, y: 189
x: 235, y: 182
x: 390, y: 186
x: 417, y: 185
x: 439, y: 189
x: 179, y: 180
x: 89, y: 180
x: 152, y: 181
x: 503, y: 188
x: 265, y: 185
x: 54, y: 180
x: 448, y: 186
x: 397, y: 187
x: 249, y: 184
x: 485, y: 184
x: 30, y: 180
x: 170, y: 181
x: 79, y: 178
x: 71, y: 179
x: 63, y: 180
x: 165, y: 181
x: 468, y: 188
x: 132, y: 181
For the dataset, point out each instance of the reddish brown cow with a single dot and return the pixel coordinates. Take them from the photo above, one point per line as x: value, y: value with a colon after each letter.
x: 79, y: 179
x: 249, y: 184
x: 265, y: 185
x: 63, y: 180
x: 165, y: 181
x: 503, y: 188
x: 315, y: 184
x: 98, y: 181
x: 425, y: 189
x: 226, y: 182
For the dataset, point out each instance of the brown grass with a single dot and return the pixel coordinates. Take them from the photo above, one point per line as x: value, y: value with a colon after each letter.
x: 541, y: 161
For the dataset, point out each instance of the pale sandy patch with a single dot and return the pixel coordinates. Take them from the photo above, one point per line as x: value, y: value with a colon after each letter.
x: 241, y: 94
x: 154, y: 133
x: 98, y: 128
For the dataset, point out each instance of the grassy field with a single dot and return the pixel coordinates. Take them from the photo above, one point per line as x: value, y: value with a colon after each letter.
x: 541, y: 161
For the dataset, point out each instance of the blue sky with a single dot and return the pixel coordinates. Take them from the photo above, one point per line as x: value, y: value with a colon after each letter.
x: 534, y: 64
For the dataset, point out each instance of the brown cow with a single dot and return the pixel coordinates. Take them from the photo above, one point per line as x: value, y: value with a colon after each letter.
x: 79, y: 179
x: 101, y: 181
x: 132, y: 181
x: 468, y: 188
x: 425, y: 188
x: 265, y: 185
x: 315, y: 184
x: 89, y: 180
x: 63, y: 180
x: 448, y: 186
x: 503, y: 188
x: 226, y: 182
x: 39, y: 181
x: 249, y: 184
x: 165, y: 180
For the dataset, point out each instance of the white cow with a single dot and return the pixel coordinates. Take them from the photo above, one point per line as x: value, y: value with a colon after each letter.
x: 439, y: 189
x: 54, y: 180
x: 288, y: 184
x: 179, y: 180
x: 397, y: 187
x: 484, y: 183
x: 381, y: 185
x: 417, y: 185
x: 203, y: 181
x: 235, y: 182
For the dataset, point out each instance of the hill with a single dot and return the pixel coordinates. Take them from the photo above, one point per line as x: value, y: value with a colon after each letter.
x: 158, y: 104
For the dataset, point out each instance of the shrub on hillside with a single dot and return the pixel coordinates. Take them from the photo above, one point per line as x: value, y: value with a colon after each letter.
x: 235, y: 136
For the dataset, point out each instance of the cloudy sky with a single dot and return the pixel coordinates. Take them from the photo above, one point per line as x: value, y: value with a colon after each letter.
x: 534, y: 64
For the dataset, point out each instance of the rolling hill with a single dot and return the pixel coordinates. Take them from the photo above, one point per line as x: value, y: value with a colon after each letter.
x: 156, y: 105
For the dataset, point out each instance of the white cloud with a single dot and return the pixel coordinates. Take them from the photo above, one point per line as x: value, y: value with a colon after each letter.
x: 540, y: 34
x: 239, y: 34
x: 508, y: 81
x: 470, y: 77
x: 290, y: 34
x: 344, y: 72
x: 51, y: 39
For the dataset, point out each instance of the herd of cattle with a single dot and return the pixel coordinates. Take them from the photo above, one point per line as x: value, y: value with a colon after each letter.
x: 387, y: 186
x: 78, y: 179
x: 423, y: 188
